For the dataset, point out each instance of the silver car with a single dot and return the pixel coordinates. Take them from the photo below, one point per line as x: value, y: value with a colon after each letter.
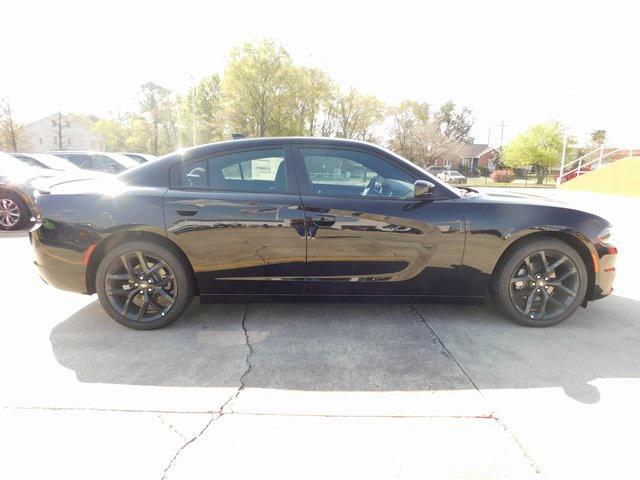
x: 453, y: 177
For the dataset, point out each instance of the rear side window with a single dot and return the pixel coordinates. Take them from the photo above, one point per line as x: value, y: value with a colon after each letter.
x: 194, y: 175
x: 260, y: 171
x: 82, y: 161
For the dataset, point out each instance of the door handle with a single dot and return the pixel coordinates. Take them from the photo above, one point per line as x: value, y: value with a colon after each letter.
x: 324, y: 220
x: 187, y: 210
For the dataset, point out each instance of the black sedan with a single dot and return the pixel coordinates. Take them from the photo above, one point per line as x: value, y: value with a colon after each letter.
x: 317, y: 218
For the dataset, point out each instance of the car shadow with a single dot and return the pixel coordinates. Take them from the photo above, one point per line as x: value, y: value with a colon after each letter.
x: 356, y: 347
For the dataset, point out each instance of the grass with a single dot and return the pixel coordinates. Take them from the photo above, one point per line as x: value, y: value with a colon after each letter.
x: 517, y: 183
x: 621, y: 177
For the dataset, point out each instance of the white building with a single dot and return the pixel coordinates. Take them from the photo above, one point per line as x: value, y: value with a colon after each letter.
x: 74, y: 133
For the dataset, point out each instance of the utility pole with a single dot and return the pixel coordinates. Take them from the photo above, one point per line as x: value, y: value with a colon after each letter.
x: 501, y: 125
x: 193, y: 110
x: 59, y: 130
x: 489, y: 136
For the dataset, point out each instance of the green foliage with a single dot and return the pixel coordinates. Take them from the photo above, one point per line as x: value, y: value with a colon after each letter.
x: 353, y: 115
x: 263, y: 93
x: 12, y: 134
x: 598, y: 137
x: 159, y: 109
x: 201, y: 108
x: 114, y: 131
x: 256, y: 87
x: 310, y: 90
x: 540, y: 146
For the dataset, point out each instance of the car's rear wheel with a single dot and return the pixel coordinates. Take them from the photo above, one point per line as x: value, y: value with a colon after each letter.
x: 144, y: 285
x: 541, y: 283
x: 14, y: 213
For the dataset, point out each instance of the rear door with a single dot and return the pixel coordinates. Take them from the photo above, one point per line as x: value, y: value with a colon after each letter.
x: 238, y: 217
x: 367, y: 235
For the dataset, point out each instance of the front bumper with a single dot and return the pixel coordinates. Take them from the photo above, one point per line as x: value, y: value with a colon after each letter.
x: 606, y: 272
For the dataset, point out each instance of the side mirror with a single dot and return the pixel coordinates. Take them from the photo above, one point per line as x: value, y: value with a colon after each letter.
x: 423, y: 189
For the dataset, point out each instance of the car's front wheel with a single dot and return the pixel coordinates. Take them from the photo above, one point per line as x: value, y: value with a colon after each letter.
x: 541, y: 283
x: 14, y: 213
x: 144, y: 285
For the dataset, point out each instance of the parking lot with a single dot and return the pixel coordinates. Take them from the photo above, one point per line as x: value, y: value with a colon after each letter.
x: 320, y: 390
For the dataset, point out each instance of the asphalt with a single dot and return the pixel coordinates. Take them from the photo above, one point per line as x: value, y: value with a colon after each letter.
x: 319, y: 390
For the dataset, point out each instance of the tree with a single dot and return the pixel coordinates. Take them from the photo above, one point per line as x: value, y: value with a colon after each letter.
x: 200, y: 113
x: 11, y: 133
x: 60, y: 126
x: 309, y: 90
x: 139, y: 134
x: 423, y: 136
x: 256, y: 88
x: 353, y: 115
x: 540, y: 146
x: 114, y: 131
x: 598, y: 137
x: 158, y: 107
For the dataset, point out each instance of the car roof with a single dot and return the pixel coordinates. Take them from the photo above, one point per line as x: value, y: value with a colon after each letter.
x: 251, y: 142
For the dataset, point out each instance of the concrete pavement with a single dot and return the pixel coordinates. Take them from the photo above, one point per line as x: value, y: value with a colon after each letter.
x: 291, y: 390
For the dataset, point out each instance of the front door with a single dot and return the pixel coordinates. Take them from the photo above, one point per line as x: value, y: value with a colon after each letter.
x: 239, y: 219
x: 367, y: 235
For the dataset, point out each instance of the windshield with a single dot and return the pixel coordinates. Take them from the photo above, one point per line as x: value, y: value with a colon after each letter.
x: 54, y: 162
x: 9, y: 164
x: 453, y: 173
x: 29, y: 160
x: 456, y: 191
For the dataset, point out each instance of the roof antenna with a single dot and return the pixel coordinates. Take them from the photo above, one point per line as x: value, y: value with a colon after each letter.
x: 237, y: 136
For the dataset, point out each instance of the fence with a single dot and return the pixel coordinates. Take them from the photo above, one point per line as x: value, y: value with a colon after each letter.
x: 523, y: 179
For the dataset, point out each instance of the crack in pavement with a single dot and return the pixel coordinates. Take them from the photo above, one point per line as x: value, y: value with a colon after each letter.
x: 221, y: 411
x: 171, y: 427
x: 493, y: 415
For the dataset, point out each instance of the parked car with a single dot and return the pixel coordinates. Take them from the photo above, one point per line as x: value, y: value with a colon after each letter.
x: 435, y: 170
x: 98, y: 161
x: 140, y: 157
x: 453, y: 177
x: 17, y: 204
x: 316, y: 218
x: 45, y: 160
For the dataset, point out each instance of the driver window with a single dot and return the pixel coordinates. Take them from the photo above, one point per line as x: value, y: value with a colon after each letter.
x: 354, y: 173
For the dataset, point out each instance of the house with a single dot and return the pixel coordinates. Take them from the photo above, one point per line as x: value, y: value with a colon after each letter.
x: 62, y: 132
x: 471, y: 156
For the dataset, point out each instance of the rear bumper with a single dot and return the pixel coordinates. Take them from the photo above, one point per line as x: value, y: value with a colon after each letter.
x: 60, y: 267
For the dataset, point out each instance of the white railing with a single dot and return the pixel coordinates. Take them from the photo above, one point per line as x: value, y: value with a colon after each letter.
x: 576, y: 167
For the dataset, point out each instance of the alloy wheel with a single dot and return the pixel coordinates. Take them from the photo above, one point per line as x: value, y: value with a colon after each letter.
x: 9, y: 213
x: 544, y: 284
x: 141, y: 286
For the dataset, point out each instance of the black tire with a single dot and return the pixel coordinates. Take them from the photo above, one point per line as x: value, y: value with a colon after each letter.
x: 513, y: 295
x: 172, y: 266
x: 24, y: 212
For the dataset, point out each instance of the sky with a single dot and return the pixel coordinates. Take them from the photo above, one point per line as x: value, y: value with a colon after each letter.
x: 517, y: 62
